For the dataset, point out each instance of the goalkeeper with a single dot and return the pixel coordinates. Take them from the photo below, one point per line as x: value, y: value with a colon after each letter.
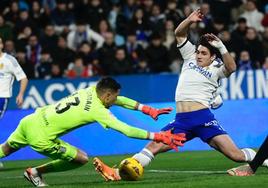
x: 41, y: 129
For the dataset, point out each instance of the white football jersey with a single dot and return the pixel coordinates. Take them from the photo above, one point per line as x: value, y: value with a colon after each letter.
x: 198, y: 84
x: 9, y: 68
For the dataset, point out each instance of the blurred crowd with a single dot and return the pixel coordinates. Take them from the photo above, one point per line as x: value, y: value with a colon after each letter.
x: 84, y: 38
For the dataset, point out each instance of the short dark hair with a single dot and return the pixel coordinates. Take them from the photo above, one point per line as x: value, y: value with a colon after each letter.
x: 242, y: 20
x: 107, y: 83
x: 203, y: 40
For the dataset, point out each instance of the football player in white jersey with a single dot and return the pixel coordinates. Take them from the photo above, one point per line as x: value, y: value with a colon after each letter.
x: 197, y: 85
x: 10, y: 69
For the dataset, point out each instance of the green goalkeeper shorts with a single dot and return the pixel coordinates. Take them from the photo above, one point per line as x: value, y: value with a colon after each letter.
x: 31, y: 131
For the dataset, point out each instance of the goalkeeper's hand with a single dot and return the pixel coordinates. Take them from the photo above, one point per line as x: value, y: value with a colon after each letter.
x: 154, y: 113
x: 173, y: 140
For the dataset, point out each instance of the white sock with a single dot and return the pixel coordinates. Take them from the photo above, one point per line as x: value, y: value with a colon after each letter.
x: 144, y: 157
x: 249, y: 154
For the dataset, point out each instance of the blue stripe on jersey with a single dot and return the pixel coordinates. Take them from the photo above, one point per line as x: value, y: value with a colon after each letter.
x: 3, y: 106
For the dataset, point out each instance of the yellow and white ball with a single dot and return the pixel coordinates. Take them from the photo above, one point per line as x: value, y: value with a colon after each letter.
x: 130, y: 169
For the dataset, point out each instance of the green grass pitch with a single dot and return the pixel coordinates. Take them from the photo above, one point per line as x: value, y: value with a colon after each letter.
x: 184, y: 169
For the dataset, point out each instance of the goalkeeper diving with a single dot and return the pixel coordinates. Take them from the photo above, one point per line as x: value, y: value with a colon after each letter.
x: 41, y: 129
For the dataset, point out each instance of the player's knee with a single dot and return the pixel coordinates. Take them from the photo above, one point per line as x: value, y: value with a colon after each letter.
x: 84, y: 159
x: 81, y: 158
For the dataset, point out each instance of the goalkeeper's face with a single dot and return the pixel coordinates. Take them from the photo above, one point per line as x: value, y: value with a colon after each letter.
x: 110, y: 97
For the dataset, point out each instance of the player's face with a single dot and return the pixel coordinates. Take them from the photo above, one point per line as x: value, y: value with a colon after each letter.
x: 203, y: 56
x: 110, y: 98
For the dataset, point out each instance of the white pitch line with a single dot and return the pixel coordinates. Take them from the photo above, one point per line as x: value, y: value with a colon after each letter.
x: 53, y: 174
x: 153, y: 171
x: 188, y: 171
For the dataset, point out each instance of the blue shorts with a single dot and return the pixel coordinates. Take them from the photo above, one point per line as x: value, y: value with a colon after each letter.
x: 3, y: 106
x: 200, y: 123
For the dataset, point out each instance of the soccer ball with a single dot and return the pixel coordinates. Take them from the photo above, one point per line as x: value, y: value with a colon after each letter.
x: 130, y: 169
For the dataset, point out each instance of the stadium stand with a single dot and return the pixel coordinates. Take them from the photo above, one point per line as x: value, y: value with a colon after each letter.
x: 113, y: 37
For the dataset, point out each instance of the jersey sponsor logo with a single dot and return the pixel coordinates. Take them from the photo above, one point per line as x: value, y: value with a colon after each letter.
x: 215, y: 124
x: 200, y: 70
x: 1, y: 66
x: 212, y: 123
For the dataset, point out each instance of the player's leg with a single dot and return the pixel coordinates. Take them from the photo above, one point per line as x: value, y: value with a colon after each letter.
x: 15, y: 141
x: 5, y: 150
x: 145, y: 156
x: 66, y: 157
x: 212, y: 133
x: 3, y: 106
x: 225, y: 145
x: 251, y: 168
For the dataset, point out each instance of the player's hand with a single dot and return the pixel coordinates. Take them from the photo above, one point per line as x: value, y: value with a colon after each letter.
x: 154, y: 113
x: 19, y: 100
x: 196, y: 16
x: 216, y: 42
x: 173, y: 140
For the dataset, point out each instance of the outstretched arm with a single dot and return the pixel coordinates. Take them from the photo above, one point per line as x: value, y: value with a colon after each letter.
x: 228, y: 60
x: 106, y: 119
x: 181, y: 31
x: 134, y: 105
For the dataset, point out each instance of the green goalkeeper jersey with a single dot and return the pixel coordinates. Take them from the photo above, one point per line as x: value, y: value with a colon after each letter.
x: 84, y: 107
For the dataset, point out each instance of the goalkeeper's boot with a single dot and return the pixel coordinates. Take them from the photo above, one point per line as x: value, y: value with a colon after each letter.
x: 108, y: 173
x: 243, y: 170
x: 34, y: 177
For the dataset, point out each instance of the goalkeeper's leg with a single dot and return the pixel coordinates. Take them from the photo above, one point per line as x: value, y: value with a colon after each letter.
x: 5, y: 150
x: 34, y: 175
x: 66, y: 157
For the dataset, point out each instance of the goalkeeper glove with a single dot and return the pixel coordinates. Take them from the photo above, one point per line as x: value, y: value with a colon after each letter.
x: 173, y: 140
x: 153, y: 112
